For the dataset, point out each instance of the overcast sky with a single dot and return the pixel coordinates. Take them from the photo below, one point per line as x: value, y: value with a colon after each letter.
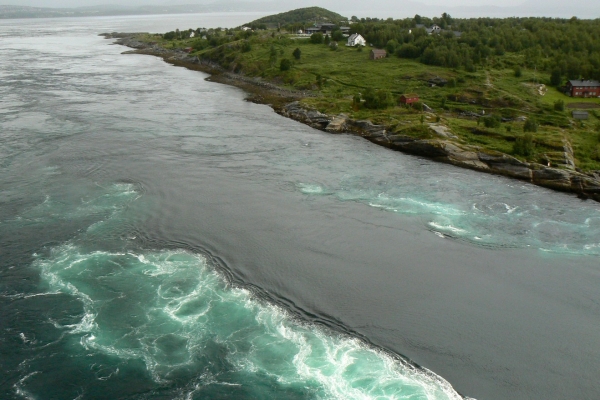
x: 79, y: 3
x: 379, y: 8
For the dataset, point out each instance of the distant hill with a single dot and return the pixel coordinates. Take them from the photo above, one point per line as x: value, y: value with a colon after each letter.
x: 12, y: 11
x: 301, y: 15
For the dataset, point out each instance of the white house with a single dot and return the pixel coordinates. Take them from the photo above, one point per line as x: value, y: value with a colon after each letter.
x: 434, y: 29
x: 356, y: 40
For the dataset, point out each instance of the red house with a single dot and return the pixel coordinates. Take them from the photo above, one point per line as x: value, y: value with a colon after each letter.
x: 409, y: 98
x: 577, y: 88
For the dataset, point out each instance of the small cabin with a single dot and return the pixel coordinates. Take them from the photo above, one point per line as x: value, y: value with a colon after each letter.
x: 376, y: 54
x: 409, y: 98
x: 581, y: 115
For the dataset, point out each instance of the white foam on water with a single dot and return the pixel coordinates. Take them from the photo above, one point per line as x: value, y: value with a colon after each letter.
x: 183, y: 308
x: 309, y: 188
x: 485, y: 222
x: 447, y: 227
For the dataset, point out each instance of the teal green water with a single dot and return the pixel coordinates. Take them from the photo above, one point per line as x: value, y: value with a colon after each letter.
x: 161, y: 238
x: 173, y: 312
x: 496, y: 222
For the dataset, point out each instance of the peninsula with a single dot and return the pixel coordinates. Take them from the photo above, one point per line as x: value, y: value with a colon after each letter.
x: 517, y: 97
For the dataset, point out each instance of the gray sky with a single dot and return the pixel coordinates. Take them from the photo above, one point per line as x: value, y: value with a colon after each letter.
x: 380, y: 8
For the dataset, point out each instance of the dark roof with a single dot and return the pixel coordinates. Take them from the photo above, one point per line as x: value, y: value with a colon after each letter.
x: 584, y: 83
x: 378, y: 51
x: 580, y: 114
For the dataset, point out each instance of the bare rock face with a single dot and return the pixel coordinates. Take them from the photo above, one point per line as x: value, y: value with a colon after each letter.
x: 310, y: 117
x: 337, y: 124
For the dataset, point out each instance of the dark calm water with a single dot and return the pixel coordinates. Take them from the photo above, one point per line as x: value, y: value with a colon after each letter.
x: 161, y: 238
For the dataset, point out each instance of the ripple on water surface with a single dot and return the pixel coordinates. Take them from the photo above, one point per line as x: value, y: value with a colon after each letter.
x: 481, y: 220
x: 166, y: 322
x: 175, y: 313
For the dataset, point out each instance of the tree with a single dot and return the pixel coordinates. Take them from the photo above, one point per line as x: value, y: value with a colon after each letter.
x: 556, y: 77
x: 169, y: 35
x: 273, y: 56
x: 297, y: 53
x: 327, y: 40
x: 285, y: 65
x: 337, y: 35
x: 316, y: 38
x: 391, y: 46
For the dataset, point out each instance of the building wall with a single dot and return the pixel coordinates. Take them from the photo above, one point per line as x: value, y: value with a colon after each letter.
x: 578, y: 91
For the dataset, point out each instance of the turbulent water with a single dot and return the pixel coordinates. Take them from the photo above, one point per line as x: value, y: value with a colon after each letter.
x: 162, y: 238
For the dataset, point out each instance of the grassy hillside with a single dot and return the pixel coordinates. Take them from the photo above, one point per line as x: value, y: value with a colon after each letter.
x: 301, y: 15
x: 486, y: 105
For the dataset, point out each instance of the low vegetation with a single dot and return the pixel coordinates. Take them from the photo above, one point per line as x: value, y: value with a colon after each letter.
x: 496, y: 85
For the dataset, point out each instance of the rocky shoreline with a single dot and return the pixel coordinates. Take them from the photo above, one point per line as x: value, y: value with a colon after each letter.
x: 443, y: 149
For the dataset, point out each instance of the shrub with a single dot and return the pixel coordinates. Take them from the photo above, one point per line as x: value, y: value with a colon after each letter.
x: 417, y: 105
x: 285, y: 64
x: 327, y: 40
x: 530, y: 125
x: 379, y: 99
x: 559, y: 105
x: 333, y: 46
x: 518, y: 72
x: 297, y: 53
x: 319, y: 81
x: 524, y: 145
x: 246, y: 46
x: 316, y: 38
x: 359, y: 48
x: 491, y: 121
x: 356, y: 102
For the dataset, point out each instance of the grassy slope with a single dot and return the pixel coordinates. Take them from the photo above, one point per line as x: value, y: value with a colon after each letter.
x: 347, y: 72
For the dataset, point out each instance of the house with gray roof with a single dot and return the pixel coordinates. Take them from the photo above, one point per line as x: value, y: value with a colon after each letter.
x: 583, y: 88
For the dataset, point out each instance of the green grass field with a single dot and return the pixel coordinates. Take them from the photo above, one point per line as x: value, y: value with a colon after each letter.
x: 334, y: 78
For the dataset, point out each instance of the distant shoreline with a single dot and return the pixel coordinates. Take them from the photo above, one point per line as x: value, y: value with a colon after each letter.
x: 20, y: 12
x: 285, y: 102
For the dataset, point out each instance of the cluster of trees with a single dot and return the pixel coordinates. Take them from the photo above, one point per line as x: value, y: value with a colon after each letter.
x: 566, y: 48
x: 318, y: 37
x: 230, y: 34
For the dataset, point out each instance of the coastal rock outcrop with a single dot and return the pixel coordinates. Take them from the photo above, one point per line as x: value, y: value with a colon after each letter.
x: 445, y: 149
